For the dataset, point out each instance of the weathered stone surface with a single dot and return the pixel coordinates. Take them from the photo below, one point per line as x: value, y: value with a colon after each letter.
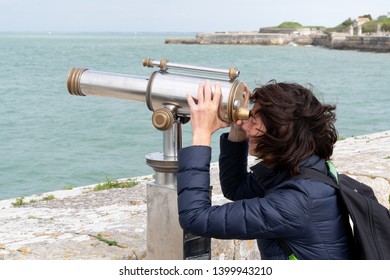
x: 79, y: 224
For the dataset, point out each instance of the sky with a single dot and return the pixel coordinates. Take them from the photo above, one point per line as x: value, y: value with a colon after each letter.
x: 177, y: 15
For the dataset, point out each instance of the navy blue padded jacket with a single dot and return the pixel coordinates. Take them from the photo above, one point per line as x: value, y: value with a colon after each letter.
x: 265, y: 206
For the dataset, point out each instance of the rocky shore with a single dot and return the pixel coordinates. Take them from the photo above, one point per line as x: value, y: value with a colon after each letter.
x: 340, y: 41
x: 111, y: 224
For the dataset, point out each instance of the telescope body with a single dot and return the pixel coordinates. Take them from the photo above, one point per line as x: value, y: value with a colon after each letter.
x: 163, y: 90
x: 165, y: 93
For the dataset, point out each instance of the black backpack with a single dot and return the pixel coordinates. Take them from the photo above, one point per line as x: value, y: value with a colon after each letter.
x: 371, y: 220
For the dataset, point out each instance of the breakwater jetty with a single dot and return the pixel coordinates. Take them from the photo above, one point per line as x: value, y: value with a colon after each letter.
x: 306, y: 36
x: 111, y: 224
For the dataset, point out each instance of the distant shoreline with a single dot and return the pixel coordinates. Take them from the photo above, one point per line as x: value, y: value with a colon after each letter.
x: 334, y: 40
x: 339, y: 41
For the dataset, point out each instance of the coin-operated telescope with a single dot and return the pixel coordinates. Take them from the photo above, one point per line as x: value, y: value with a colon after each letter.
x: 165, y: 93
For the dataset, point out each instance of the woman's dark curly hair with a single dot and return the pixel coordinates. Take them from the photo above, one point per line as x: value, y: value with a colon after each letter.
x: 298, y: 126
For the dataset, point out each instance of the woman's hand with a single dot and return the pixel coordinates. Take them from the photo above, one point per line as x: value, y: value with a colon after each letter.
x: 204, y: 114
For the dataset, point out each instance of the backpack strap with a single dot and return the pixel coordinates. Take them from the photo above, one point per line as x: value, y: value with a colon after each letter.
x: 287, y: 249
x: 331, y: 179
x: 332, y: 170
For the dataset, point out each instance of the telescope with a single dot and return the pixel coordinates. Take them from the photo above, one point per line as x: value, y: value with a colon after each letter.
x: 164, y: 91
x: 165, y: 94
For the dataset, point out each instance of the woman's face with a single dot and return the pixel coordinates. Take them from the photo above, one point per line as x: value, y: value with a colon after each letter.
x: 254, y: 128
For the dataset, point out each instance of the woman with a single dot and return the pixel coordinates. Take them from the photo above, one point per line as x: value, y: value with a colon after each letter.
x: 288, y: 129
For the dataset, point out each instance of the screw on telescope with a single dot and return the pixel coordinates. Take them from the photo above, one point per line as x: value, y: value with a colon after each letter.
x: 163, y: 119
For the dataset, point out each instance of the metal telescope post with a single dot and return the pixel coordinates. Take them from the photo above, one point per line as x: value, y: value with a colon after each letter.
x: 165, y: 238
x: 165, y: 95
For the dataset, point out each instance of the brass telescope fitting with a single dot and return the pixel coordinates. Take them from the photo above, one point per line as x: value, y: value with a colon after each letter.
x: 163, y: 119
x: 73, y: 81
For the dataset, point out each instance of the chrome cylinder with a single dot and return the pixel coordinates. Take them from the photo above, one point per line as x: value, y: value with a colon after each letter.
x: 171, y: 89
x: 84, y: 82
x: 161, y: 90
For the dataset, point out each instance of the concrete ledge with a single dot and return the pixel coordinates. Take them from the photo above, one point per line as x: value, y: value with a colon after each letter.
x: 79, y: 224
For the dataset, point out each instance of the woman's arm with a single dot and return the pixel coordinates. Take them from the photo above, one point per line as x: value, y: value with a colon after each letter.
x: 268, y: 217
x: 236, y: 182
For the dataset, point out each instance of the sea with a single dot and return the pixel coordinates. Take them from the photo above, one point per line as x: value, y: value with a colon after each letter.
x: 51, y: 140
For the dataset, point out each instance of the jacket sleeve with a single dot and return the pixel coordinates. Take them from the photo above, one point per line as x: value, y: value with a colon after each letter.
x: 236, y: 182
x: 268, y: 217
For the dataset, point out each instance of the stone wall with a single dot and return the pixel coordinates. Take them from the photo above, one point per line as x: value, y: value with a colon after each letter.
x: 244, y: 38
x: 290, y: 31
x: 366, y: 43
x: 237, y: 38
x: 342, y: 41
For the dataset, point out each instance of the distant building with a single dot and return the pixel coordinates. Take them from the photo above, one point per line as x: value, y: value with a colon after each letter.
x: 384, y: 16
x: 356, y: 28
x: 360, y: 21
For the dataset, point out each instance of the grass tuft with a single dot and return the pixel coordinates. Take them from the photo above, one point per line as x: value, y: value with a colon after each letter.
x: 108, y: 242
x: 19, y: 202
x: 110, y: 184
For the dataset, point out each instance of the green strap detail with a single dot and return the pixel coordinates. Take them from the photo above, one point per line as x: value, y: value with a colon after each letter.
x: 332, y: 170
x: 292, y: 257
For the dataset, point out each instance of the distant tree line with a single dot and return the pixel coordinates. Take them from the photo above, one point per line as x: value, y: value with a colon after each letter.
x: 386, y: 27
x: 368, y: 27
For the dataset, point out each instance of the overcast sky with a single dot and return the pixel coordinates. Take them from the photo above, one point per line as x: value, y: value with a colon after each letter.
x: 177, y: 15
